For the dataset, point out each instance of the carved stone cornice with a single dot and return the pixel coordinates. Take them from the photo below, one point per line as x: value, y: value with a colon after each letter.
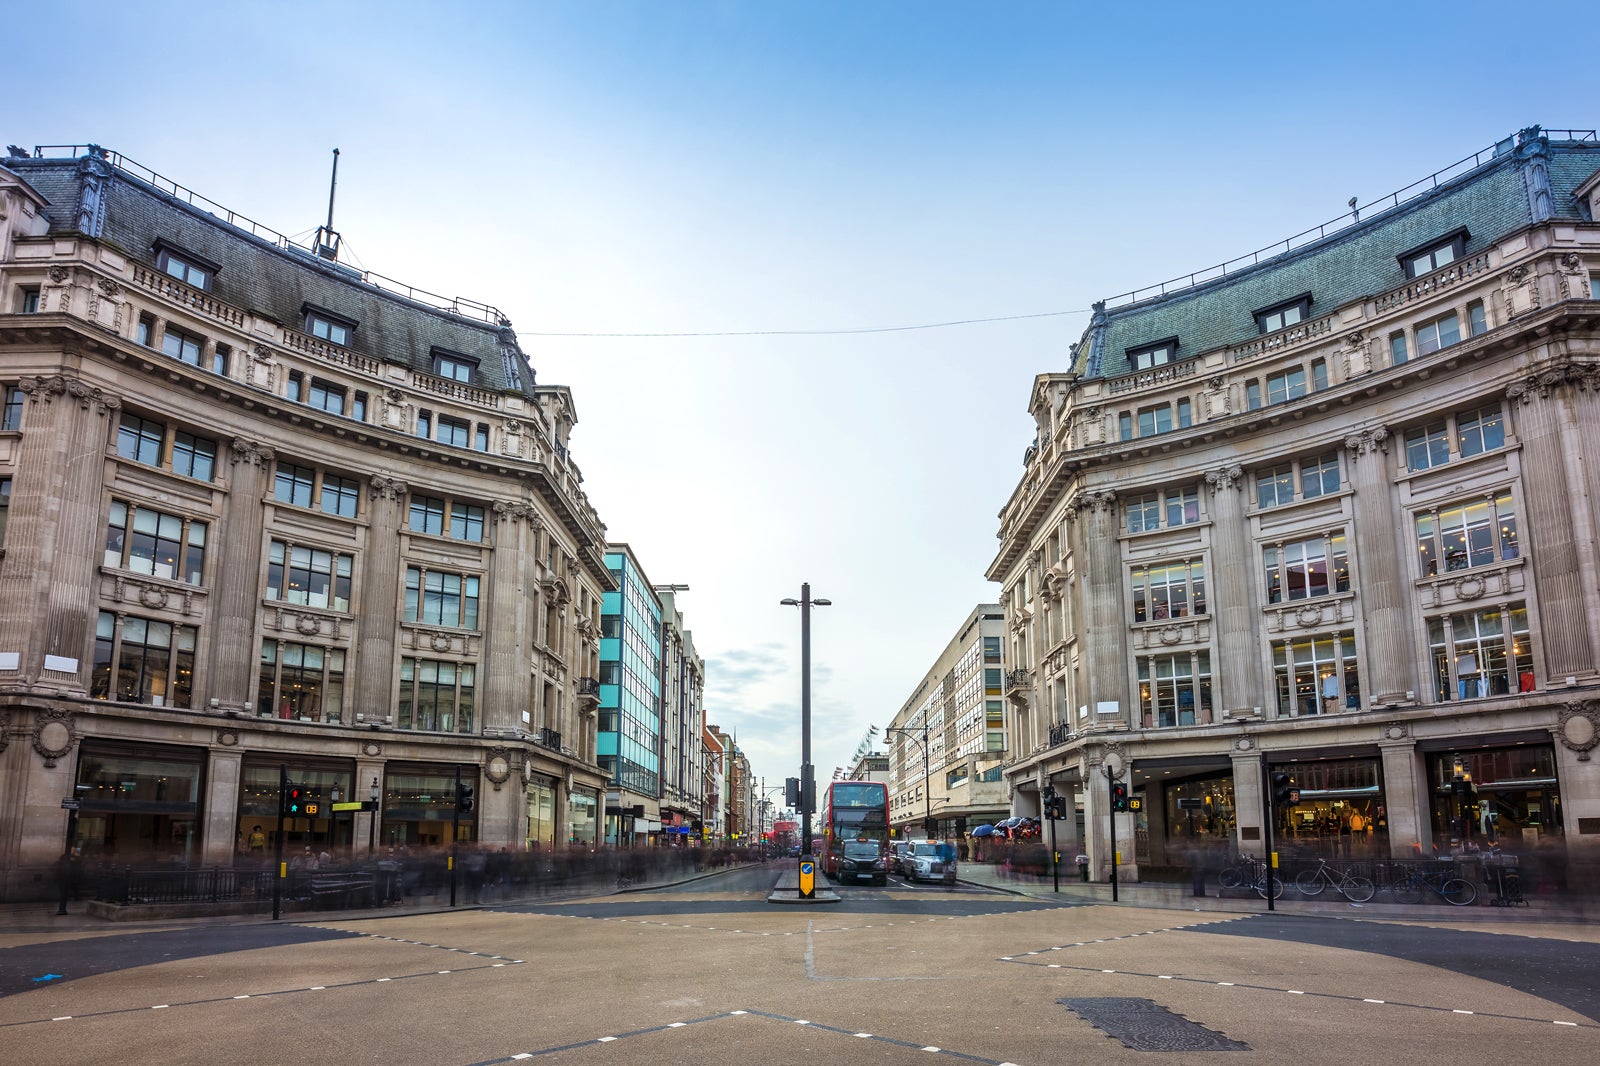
x: 1373, y: 441
x: 1227, y: 477
x: 48, y: 389
x: 241, y: 450
x: 383, y: 487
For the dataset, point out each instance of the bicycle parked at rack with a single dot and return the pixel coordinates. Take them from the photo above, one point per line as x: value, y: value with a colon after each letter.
x: 1456, y: 891
x: 1350, y: 886
x: 1241, y: 872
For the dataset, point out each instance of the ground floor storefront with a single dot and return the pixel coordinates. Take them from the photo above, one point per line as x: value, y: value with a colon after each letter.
x: 1357, y: 790
x: 121, y: 792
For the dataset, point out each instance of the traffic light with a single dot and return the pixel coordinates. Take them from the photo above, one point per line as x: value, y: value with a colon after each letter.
x: 1055, y: 804
x: 1119, y: 796
x: 463, y: 797
x: 791, y: 792
x: 296, y: 800
x: 1284, y: 794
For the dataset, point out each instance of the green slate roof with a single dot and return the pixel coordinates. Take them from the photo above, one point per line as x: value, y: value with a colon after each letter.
x: 258, y: 276
x: 1491, y: 201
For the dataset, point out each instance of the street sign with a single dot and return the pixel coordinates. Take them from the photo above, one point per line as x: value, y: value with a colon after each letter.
x: 355, y: 806
x: 69, y: 805
x: 808, y: 878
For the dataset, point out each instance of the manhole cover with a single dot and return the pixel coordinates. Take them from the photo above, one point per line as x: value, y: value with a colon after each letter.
x: 1145, y: 1025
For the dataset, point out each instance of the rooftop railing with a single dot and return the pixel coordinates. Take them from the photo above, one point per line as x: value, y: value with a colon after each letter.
x: 1344, y: 221
x: 455, y: 305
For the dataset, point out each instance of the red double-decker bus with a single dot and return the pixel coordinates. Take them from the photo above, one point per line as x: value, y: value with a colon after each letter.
x: 855, y: 832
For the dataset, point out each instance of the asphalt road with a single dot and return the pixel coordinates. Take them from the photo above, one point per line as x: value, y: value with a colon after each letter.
x: 708, y: 973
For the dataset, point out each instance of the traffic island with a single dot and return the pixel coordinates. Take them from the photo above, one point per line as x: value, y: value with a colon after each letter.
x: 787, y: 888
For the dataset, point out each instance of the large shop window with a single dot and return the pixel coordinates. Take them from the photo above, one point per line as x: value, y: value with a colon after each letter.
x: 1466, y: 535
x: 1316, y: 674
x: 301, y: 681
x: 436, y: 695
x: 1174, y: 688
x: 1305, y: 569
x: 583, y: 816
x: 309, y: 577
x: 146, y: 541
x: 1478, y: 654
x: 1176, y: 590
x: 138, y: 803
x: 142, y: 660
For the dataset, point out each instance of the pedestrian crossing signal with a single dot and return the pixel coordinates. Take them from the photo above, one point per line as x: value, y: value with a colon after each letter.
x: 1119, y: 796
x: 296, y: 800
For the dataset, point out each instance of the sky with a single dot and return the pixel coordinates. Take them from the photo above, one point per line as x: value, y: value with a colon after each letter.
x: 715, y: 221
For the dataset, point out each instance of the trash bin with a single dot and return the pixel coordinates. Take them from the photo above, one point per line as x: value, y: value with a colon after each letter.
x: 1083, y: 867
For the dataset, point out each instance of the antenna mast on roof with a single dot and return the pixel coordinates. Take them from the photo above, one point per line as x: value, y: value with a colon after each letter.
x: 327, y: 237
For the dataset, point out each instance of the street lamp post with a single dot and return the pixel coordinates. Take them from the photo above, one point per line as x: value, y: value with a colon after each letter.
x: 372, y: 820
x: 927, y: 772
x: 807, y: 788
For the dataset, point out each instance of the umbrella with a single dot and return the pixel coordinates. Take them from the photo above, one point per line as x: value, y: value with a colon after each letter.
x: 982, y: 830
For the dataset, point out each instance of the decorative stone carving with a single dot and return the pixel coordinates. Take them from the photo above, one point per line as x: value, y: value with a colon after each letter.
x: 1094, y: 501
x: 241, y: 450
x: 516, y: 511
x: 1367, y: 442
x: 261, y: 353
x: 383, y: 487
x: 1244, y: 744
x: 372, y: 749
x: 307, y: 624
x: 1227, y: 477
x: 53, y: 734
x: 1578, y: 728
x: 1308, y: 616
x: 498, y: 767
x: 45, y: 390
x: 152, y: 597
x: 1171, y: 634
x: 228, y: 738
x: 1469, y: 588
x: 59, y: 274
x: 108, y: 287
x: 1551, y: 376
x: 441, y: 642
x: 1521, y: 290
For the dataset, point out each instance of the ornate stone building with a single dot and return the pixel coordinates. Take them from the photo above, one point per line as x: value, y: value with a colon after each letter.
x: 262, y: 514
x: 1329, y: 510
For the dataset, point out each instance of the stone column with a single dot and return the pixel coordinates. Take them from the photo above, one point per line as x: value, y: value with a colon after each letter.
x: 219, y: 838
x: 1390, y: 667
x: 367, y: 825
x: 1249, y: 804
x: 236, y: 577
x: 509, y: 618
x: 1542, y: 409
x: 1405, y: 794
x: 380, y: 598
x: 1094, y: 530
x: 1236, y: 614
x: 49, y: 584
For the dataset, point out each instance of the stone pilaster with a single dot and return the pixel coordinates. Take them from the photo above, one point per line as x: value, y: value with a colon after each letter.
x: 1390, y: 667
x: 1237, y: 616
x: 509, y: 619
x: 1094, y: 532
x: 1405, y: 793
x: 1542, y: 406
x: 219, y: 834
x: 47, y: 594
x: 1249, y: 804
x: 380, y: 598
x: 236, y: 577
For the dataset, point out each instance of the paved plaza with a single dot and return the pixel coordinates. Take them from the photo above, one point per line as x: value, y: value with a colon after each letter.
x: 708, y: 972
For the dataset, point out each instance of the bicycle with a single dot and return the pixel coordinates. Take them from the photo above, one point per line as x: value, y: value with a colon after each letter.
x: 1242, y: 872
x: 1351, y: 887
x: 1456, y: 891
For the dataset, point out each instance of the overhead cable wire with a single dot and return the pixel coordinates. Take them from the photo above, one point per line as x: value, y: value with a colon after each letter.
x: 818, y: 332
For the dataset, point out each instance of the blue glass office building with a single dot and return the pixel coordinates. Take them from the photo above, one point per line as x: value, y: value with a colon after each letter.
x: 629, y: 743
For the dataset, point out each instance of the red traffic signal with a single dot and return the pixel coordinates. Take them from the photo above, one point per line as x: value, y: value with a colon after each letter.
x: 1119, y: 796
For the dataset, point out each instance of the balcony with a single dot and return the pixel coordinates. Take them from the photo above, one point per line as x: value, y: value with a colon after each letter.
x: 1147, y: 379
x: 170, y: 288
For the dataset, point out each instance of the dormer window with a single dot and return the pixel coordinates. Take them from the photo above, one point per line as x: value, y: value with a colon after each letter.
x: 327, y: 326
x: 187, y: 267
x: 1285, y: 314
x: 1439, y: 252
x: 1147, y: 356
x: 455, y: 366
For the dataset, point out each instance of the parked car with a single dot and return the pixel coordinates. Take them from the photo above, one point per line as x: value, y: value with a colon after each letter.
x: 928, y: 861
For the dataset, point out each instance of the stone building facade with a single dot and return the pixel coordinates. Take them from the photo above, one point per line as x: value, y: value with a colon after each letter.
x: 1329, y: 511
x: 956, y: 718
x: 267, y: 515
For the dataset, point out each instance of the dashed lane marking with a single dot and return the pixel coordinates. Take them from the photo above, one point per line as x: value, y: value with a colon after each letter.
x: 959, y: 1056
